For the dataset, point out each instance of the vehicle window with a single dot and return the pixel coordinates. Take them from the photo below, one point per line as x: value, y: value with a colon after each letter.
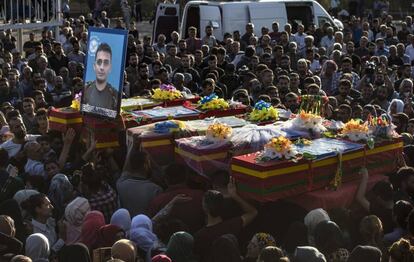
x: 322, y: 20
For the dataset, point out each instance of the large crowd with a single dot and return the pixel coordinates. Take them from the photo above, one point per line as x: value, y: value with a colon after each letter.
x: 61, y: 199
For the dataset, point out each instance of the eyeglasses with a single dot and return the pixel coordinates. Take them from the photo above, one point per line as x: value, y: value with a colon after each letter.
x: 105, y: 62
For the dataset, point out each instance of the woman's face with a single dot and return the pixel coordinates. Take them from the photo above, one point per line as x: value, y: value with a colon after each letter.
x: 393, y: 108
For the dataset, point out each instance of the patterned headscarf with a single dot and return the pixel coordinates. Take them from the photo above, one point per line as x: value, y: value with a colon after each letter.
x: 264, y: 240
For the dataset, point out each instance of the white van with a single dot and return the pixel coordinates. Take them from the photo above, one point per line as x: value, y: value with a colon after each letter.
x: 227, y: 17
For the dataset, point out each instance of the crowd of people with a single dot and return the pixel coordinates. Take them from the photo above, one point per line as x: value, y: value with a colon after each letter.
x: 61, y: 199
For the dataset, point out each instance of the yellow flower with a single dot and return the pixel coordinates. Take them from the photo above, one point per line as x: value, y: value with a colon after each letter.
x: 306, y: 116
x: 75, y: 104
x: 215, y: 104
x: 353, y: 126
x: 218, y: 130
x: 163, y: 95
x: 264, y: 114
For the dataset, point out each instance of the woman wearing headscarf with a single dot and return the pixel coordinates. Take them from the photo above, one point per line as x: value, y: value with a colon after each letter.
x: 122, y: 219
x: 93, y: 221
x: 40, y: 208
x: 180, y: 247
x: 75, y: 213
x: 74, y: 253
x: 125, y: 250
x: 60, y: 193
x: 141, y: 234
x: 396, y: 106
x: 109, y: 234
x: 37, y: 248
x: 312, y: 219
x: 226, y: 249
x: 11, y: 208
x: 258, y: 242
x: 330, y: 241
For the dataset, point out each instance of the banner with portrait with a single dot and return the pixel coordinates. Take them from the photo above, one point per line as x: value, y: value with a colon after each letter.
x: 104, y: 77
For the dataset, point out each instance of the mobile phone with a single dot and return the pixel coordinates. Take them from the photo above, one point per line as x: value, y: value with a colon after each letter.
x: 9, y: 168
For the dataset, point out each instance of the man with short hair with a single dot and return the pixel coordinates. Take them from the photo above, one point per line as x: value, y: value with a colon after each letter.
x: 59, y: 59
x: 34, y: 165
x: 193, y: 42
x: 143, y: 81
x: 99, y: 94
x: 213, y: 202
x: 136, y: 191
x: 17, y: 128
x: 209, y: 39
x: 172, y: 59
x: 179, y: 84
x: 160, y: 46
x: 29, y: 114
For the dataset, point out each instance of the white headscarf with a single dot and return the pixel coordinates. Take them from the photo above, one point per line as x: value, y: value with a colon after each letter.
x: 37, y: 247
x: 400, y: 106
x: 75, y: 212
x: 312, y: 219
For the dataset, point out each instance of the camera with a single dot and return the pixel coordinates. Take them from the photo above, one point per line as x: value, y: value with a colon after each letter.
x: 370, y: 69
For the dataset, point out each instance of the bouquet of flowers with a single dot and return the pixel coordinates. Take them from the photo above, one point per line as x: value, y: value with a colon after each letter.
x: 278, y: 148
x: 213, y: 102
x: 166, y: 92
x: 218, y: 132
x: 76, y: 102
x: 169, y: 126
x: 381, y: 127
x: 309, y: 121
x: 263, y: 111
x: 356, y: 131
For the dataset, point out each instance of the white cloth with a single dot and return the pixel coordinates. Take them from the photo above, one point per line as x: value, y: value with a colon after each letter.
x: 327, y: 42
x: 34, y: 168
x: 48, y: 230
x: 300, y: 40
x: 13, y: 148
x: 409, y: 50
x: 37, y: 247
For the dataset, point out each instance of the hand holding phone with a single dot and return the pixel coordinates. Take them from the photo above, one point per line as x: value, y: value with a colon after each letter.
x: 12, y: 170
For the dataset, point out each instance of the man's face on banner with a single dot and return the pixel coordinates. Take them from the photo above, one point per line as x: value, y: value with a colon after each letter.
x: 102, y: 66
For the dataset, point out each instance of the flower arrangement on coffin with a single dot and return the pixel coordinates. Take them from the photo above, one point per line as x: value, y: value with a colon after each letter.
x: 218, y: 132
x: 312, y: 103
x: 263, y: 111
x: 167, y: 92
x: 213, y: 102
x: 76, y: 102
x: 309, y: 121
x: 381, y: 127
x: 169, y: 126
x: 278, y: 148
x: 356, y: 131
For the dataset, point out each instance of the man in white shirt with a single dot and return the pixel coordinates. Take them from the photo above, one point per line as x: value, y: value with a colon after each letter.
x: 409, y: 50
x: 300, y: 37
x: 209, y: 39
x: 328, y: 40
x: 34, y: 166
x: 14, y: 145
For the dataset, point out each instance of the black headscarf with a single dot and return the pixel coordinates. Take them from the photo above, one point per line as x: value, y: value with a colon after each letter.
x: 12, y: 209
x: 9, y: 245
x: 226, y: 249
x: 77, y: 252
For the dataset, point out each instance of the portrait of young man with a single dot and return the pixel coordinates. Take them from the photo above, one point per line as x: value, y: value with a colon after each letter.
x: 99, y: 94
